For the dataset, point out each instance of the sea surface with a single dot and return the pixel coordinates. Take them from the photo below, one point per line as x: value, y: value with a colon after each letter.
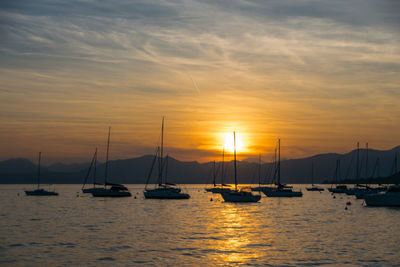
x: 75, y: 229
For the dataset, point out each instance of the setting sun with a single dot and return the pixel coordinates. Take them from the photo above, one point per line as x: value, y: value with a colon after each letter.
x: 229, y: 142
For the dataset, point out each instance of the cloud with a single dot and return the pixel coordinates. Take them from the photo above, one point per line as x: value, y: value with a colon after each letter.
x: 289, y: 68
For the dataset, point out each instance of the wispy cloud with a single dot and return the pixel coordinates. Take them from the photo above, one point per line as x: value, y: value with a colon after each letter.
x: 309, y: 71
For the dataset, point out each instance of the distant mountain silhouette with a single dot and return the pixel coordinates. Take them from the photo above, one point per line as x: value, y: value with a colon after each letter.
x: 18, y: 165
x: 135, y: 170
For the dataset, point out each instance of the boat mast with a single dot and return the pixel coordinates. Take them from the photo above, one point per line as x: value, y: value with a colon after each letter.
x: 366, y: 160
x: 108, y: 147
x: 358, y: 162
x: 160, y: 167
x: 312, y: 173
x: 38, y: 176
x: 214, y: 173
x: 259, y: 170
x: 88, y: 172
x: 279, y: 162
x: 222, y: 171
x: 95, y: 167
x: 234, y: 154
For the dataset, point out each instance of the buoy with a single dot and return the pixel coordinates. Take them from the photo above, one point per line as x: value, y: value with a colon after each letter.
x: 334, y: 196
x: 135, y: 197
x: 345, y: 208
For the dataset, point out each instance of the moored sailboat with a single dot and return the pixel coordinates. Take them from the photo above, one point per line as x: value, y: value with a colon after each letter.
x: 40, y: 191
x: 219, y: 188
x: 339, y: 189
x: 313, y: 187
x: 389, y: 198
x: 110, y: 189
x: 93, y: 165
x: 281, y: 190
x: 242, y: 195
x: 164, y: 189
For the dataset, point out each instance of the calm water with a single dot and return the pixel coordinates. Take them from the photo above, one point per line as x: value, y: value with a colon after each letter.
x: 76, y: 229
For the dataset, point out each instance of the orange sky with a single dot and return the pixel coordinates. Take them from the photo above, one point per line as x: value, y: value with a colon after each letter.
x: 320, y: 81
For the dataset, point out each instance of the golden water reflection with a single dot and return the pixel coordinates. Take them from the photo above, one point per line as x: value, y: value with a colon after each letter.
x: 238, y: 240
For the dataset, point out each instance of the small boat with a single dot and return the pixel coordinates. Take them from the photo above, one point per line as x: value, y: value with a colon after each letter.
x: 389, y: 198
x: 338, y: 189
x: 361, y: 194
x: 313, y: 187
x: 370, y: 190
x: 242, y: 195
x: 164, y: 189
x: 110, y: 189
x: 219, y: 188
x: 40, y: 191
x: 113, y: 190
x: 281, y: 190
x: 93, y: 165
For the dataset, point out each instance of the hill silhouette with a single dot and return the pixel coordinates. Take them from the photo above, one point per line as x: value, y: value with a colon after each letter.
x: 135, y: 170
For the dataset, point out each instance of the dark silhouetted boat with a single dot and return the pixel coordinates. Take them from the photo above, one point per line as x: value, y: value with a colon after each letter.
x: 110, y: 189
x: 219, y: 188
x: 242, y: 195
x: 281, y: 190
x: 338, y: 189
x: 40, y: 191
x: 93, y: 165
x: 164, y: 189
x: 389, y: 198
x: 313, y: 187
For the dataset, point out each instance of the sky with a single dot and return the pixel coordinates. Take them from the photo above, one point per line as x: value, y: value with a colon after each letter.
x: 319, y: 75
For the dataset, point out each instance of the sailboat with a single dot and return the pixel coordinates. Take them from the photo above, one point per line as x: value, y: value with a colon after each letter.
x: 93, y: 165
x: 272, y: 168
x: 338, y: 188
x: 242, y: 195
x: 164, y: 189
x: 389, y: 198
x: 40, y: 191
x: 313, y: 187
x: 281, y: 190
x: 219, y: 188
x: 110, y: 189
x: 374, y: 190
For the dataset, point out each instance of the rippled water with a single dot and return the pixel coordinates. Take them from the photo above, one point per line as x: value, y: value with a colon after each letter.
x: 76, y: 229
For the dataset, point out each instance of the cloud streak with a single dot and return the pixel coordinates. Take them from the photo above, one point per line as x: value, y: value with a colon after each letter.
x: 308, y: 71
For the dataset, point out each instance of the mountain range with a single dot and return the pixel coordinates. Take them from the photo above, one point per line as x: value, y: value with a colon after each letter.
x: 135, y: 170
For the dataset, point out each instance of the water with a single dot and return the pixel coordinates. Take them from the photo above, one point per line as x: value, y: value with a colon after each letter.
x: 76, y: 229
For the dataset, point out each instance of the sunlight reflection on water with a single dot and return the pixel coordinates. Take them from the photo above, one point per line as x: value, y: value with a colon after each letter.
x: 312, y: 230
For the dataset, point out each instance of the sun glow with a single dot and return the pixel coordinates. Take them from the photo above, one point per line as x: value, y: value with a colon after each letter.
x: 229, y: 144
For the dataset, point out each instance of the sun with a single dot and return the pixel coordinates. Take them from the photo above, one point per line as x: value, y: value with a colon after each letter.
x: 229, y: 142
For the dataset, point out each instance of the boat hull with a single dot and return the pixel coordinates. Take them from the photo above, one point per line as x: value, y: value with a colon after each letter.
x: 338, y: 190
x: 383, y: 200
x: 91, y: 190
x: 110, y: 193
x: 283, y: 193
x: 40, y: 192
x: 315, y: 189
x: 165, y: 193
x: 234, y: 196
